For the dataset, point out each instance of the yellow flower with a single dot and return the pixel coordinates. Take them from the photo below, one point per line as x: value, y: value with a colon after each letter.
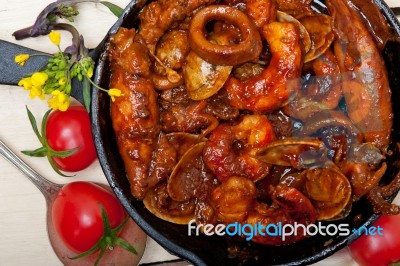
x: 62, y: 81
x: 39, y: 78
x: 89, y: 72
x: 59, y: 100
x: 21, y: 59
x: 55, y: 37
x: 114, y: 93
x: 26, y: 83
x: 34, y: 89
x: 36, y: 92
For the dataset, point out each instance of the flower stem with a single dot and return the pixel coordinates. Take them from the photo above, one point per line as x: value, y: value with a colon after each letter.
x: 42, y: 25
x: 74, y: 32
x: 90, y: 80
x: 48, y: 55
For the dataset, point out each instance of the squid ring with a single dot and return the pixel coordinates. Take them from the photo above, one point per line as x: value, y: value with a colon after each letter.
x: 228, y: 55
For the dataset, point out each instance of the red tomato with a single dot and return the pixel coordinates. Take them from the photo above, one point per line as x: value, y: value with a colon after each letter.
x: 76, y: 214
x: 379, y: 250
x: 68, y: 130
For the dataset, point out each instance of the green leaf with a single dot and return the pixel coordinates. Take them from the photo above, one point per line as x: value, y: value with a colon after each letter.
x: 63, y: 154
x: 86, y: 93
x: 116, y: 10
x: 102, y: 252
x: 39, y: 152
x: 106, y: 222
x: 55, y: 168
x: 125, y: 245
x: 43, y: 126
x: 121, y: 242
x: 32, y: 120
x: 87, y: 253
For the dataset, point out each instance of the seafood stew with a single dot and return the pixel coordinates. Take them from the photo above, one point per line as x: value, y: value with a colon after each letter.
x: 189, y: 128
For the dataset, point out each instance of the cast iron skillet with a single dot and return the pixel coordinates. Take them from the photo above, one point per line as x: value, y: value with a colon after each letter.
x: 206, y: 250
x: 210, y: 250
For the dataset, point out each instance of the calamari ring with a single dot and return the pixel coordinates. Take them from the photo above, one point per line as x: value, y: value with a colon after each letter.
x: 228, y: 55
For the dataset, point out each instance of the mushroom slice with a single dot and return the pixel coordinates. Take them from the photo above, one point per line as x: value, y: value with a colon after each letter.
x: 294, y: 152
x: 304, y: 35
x: 203, y: 79
x: 158, y: 202
x: 190, y: 178
x: 329, y: 190
x: 319, y: 27
x: 328, y: 118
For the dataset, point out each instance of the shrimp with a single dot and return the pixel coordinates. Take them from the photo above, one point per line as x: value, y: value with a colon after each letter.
x: 267, y: 92
x: 230, y: 148
x: 235, y: 201
x: 357, y: 53
x: 289, y: 206
x: 262, y: 12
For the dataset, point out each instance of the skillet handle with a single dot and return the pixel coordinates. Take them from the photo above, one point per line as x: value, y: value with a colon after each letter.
x: 11, y: 73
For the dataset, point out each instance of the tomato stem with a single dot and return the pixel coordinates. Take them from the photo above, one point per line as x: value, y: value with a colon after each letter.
x: 109, y: 239
x: 46, y: 150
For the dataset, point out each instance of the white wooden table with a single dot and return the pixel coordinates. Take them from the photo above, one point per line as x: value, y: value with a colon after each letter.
x: 22, y: 207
